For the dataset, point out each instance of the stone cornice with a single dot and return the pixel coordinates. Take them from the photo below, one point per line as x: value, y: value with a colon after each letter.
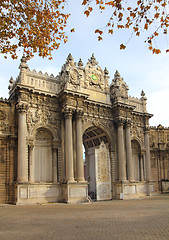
x: 143, y: 114
x: 33, y: 90
x: 124, y: 105
x: 73, y: 93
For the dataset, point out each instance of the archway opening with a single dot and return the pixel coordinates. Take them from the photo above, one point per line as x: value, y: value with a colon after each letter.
x: 97, y: 163
x: 137, y: 160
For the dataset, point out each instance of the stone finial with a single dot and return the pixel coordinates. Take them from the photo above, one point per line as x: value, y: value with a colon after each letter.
x: 143, y: 97
x: 92, y: 60
x: 106, y: 72
x: 70, y: 58
x: 11, y: 81
x: 142, y: 93
x: 117, y: 74
x: 80, y: 63
x: 23, y: 63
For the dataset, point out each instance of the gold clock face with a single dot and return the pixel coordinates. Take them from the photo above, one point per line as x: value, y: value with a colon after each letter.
x: 94, y: 77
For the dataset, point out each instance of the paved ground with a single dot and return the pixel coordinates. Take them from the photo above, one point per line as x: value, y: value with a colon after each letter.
x: 116, y: 220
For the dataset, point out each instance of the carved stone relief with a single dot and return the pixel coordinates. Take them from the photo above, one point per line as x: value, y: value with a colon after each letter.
x: 103, y: 179
x: 43, y: 116
x: 4, y: 127
x: 2, y: 115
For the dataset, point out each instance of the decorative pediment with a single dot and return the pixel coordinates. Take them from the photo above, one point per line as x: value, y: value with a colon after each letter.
x: 118, y: 88
x: 94, y: 75
x: 75, y: 76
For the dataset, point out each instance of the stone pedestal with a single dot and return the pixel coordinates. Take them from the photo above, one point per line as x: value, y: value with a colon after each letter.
x: 74, y: 192
x: 38, y: 193
x: 134, y: 190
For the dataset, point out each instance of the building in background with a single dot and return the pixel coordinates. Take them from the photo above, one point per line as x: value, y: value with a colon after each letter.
x: 46, y: 122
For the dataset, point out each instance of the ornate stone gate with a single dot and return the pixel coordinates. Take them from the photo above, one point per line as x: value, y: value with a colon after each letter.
x: 56, y: 115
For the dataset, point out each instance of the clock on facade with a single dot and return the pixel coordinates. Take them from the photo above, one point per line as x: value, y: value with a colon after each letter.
x: 94, y: 77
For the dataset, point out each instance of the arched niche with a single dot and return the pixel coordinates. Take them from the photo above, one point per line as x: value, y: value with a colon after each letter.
x: 42, y: 157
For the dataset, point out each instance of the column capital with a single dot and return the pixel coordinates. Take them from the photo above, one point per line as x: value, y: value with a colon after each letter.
x: 22, y: 107
x: 120, y: 122
x: 79, y: 113
x: 68, y: 112
x: 128, y: 123
x: 146, y: 130
x: 31, y: 146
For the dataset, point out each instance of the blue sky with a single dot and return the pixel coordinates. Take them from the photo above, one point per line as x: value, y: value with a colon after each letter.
x: 137, y: 65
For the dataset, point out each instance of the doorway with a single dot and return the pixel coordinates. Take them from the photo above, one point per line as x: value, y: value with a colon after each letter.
x: 97, y: 163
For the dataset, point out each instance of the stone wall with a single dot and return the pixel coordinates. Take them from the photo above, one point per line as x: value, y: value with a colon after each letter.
x: 159, y: 149
x: 8, y: 146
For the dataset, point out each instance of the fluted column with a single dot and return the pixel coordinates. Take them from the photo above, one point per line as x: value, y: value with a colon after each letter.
x: 31, y: 167
x: 79, y: 148
x: 130, y: 170
x: 69, y: 146
x: 22, y: 161
x: 148, y: 164
x: 121, y: 155
x: 54, y: 163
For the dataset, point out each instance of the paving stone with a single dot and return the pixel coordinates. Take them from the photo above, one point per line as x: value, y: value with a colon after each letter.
x: 145, y: 219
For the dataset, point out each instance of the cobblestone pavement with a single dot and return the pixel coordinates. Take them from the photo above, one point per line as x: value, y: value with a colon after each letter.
x: 116, y: 220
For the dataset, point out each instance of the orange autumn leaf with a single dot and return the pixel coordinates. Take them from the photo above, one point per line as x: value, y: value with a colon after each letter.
x: 122, y: 46
x: 87, y: 13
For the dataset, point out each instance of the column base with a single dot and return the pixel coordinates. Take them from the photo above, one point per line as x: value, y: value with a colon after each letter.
x: 37, y: 193
x: 133, y: 190
x: 74, y: 192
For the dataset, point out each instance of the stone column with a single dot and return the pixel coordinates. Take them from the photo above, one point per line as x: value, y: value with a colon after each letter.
x: 148, y: 164
x: 130, y: 170
x: 121, y: 155
x: 141, y: 168
x: 22, y: 161
x: 63, y: 174
x: 31, y: 167
x: 69, y: 146
x: 54, y: 164
x: 79, y: 148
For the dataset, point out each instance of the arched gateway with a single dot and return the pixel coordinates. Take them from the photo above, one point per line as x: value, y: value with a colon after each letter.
x: 58, y: 115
